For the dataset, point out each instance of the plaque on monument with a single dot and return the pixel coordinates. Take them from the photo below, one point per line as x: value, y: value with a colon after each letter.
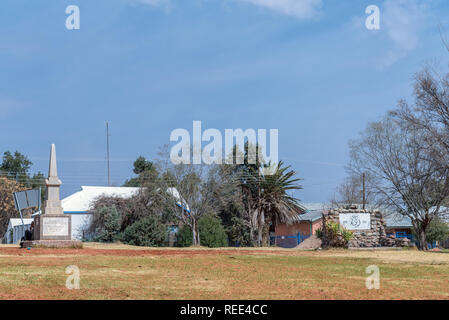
x: 55, y: 227
x: 355, y: 221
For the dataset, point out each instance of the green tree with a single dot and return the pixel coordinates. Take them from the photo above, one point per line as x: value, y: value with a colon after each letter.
x: 184, y: 238
x: 15, y: 166
x: 271, y: 202
x: 111, y: 226
x: 258, y: 195
x: 145, y: 171
x: 141, y: 165
x: 239, y: 232
x: 437, y: 231
x: 278, y: 204
x: 36, y: 181
x: 212, y: 233
x: 231, y: 208
x: 147, y: 232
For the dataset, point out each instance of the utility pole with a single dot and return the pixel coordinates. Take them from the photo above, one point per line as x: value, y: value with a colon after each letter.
x: 107, y: 153
x: 364, y: 190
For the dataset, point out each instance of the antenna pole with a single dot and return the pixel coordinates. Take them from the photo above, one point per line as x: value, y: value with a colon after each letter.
x: 364, y: 191
x: 107, y: 153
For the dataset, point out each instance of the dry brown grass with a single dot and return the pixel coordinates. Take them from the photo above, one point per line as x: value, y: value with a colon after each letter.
x: 124, y: 272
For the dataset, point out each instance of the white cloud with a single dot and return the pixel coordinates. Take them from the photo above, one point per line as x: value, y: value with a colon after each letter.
x: 301, y: 9
x: 154, y: 3
x: 404, y: 22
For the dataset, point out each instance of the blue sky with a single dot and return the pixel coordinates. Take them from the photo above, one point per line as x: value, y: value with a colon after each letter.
x: 309, y: 68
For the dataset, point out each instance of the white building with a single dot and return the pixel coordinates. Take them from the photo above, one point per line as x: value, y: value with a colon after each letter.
x: 16, y: 230
x: 77, y: 205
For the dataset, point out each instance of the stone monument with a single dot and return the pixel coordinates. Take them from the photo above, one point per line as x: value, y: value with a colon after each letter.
x: 52, y: 228
x: 368, y: 227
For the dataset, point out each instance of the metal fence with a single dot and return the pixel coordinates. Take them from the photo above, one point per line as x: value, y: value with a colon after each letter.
x: 288, y: 241
x: 412, y: 239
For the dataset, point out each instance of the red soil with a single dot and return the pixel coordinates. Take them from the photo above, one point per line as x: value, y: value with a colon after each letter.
x: 125, y: 252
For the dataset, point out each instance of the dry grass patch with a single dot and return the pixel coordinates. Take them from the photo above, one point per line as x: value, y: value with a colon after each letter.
x: 124, y: 272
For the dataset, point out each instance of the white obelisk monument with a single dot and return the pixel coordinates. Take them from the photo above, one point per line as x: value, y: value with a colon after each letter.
x: 53, y: 227
x: 53, y: 205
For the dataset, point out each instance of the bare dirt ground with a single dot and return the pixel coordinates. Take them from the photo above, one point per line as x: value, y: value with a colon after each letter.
x: 125, y: 272
x: 310, y: 243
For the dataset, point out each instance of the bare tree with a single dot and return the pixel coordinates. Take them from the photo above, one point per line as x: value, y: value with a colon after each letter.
x: 354, y: 190
x: 430, y: 112
x: 188, y: 189
x: 405, y: 174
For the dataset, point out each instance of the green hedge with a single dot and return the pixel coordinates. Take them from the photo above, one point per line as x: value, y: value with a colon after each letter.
x: 212, y: 233
x: 147, y: 232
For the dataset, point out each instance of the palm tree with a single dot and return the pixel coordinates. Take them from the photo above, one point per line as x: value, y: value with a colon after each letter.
x: 278, y: 206
x: 272, y: 201
x: 266, y: 196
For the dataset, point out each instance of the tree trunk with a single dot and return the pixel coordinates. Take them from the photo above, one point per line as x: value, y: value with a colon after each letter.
x: 266, y: 235
x: 422, y: 240
x: 260, y: 228
x: 253, y: 226
x: 259, y: 217
x: 196, y: 233
x: 420, y: 228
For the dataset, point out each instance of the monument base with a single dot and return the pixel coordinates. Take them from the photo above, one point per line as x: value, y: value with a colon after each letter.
x: 75, y: 244
x: 53, y: 227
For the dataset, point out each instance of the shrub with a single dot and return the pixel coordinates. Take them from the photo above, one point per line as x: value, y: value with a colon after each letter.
x: 148, y: 232
x: 347, y: 235
x: 335, y: 235
x: 437, y: 231
x: 239, y: 232
x: 110, y: 229
x: 184, y: 238
x: 212, y: 232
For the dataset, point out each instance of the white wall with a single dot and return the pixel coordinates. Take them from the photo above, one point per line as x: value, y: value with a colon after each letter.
x: 18, y: 233
x: 78, y: 222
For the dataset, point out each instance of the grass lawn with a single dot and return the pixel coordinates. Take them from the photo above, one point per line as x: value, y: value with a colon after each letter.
x: 124, y: 272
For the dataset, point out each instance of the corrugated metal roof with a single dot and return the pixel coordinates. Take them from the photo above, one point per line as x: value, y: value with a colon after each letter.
x: 82, y: 200
x: 313, y: 211
x: 18, y: 222
x: 392, y: 219
x: 397, y: 221
x: 315, y: 206
x: 310, y: 215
